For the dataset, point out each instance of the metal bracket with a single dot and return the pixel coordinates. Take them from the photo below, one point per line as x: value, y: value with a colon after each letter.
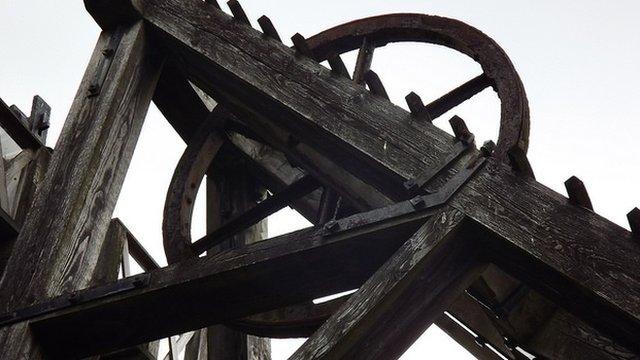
x: 108, y: 53
x: 75, y: 298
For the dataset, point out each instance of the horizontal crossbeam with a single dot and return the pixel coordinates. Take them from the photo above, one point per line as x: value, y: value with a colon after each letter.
x: 259, y: 277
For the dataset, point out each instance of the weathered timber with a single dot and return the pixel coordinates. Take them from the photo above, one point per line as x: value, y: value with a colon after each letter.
x: 106, y: 271
x: 634, y: 222
x: 577, y: 192
x: 232, y: 53
x: 338, y: 66
x: 227, y: 55
x: 308, y: 264
x: 82, y: 182
x: 402, y: 298
x: 558, y: 248
x: 17, y: 129
x: 238, y: 12
x: 231, y: 192
x: 273, y: 170
x: 15, y: 168
x: 178, y: 209
x: 196, y: 348
x: 30, y: 179
x: 259, y: 212
x: 178, y: 101
x: 267, y: 28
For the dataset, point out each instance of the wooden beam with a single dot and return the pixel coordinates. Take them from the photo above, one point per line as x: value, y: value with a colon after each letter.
x: 178, y: 101
x: 403, y: 298
x: 378, y: 142
x: 275, y: 173
x: 258, y: 212
x: 72, y: 208
x: 574, y: 257
x: 219, y: 61
x: 233, y: 284
x: 231, y: 192
x: 17, y: 130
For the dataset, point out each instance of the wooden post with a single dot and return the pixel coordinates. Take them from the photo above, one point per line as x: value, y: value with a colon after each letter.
x: 230, y: 192
x: 404, y: 297
x: 60, y: 242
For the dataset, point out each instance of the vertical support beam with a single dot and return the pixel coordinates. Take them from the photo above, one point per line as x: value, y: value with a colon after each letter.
x: 70, y: 215
x: 231, y: 192
x: 404, y: 297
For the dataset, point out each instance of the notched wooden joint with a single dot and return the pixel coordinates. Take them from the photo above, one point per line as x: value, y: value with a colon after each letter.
x: 238, y: 12
x: 519, y: 162
x: 300, y: 43
x: 416, y: 106
x: 578, y: 193
x: 634, y: 222
x: 461, y: 131
x: 267, y: 28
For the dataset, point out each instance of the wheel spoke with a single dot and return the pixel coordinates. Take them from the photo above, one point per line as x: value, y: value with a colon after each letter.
x: 458, y: 95
x: 363, y: 63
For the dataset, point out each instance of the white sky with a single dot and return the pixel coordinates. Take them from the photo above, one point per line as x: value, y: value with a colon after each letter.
x: 578, y: 62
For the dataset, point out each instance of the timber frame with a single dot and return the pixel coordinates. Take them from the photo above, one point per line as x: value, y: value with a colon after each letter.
x: 428, y: 228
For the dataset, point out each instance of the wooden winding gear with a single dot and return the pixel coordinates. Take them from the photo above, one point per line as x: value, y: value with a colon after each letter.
x: 366, y: 35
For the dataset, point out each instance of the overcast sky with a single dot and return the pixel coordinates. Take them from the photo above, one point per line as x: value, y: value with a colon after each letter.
x: 578, y: 62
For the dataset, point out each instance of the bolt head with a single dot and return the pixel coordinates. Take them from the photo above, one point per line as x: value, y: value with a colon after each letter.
x: 487, y: 148
x: 417, y: 202
x: 332, y: 225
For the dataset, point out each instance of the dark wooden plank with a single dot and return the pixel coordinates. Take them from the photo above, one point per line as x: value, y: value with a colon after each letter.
x: 275, y: 173
x: 17, y: 130
x: 573, y: 256
x: 178, y: 101
x: 307, y: 264
x: 227, y: 55
x: 634, y: 222
x: 31, y: 178
x: 82, y: 183
x: 403, y: 298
